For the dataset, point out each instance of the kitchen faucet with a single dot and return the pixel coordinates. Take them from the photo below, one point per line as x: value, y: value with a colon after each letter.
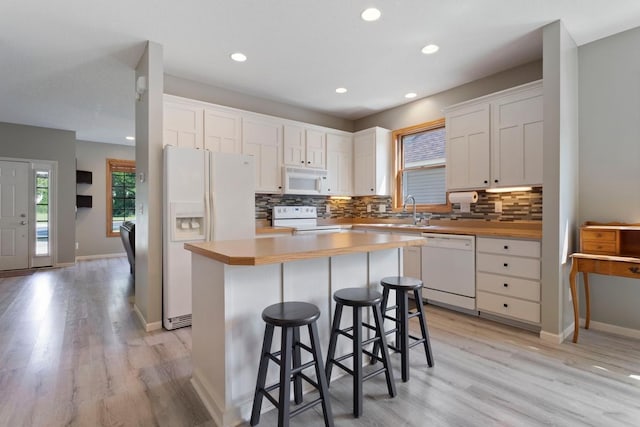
x: 404, y: 207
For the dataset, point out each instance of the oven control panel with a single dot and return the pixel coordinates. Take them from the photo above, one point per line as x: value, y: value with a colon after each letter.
x: 294, y: 212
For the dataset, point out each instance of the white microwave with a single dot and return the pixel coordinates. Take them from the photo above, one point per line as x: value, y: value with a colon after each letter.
x: 304, y: 181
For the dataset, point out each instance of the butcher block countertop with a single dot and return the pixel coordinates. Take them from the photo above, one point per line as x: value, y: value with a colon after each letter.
x: 523, y: 230
x: 293, y: 248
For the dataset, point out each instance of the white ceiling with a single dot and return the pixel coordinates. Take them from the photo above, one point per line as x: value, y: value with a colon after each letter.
x: 68, y: 64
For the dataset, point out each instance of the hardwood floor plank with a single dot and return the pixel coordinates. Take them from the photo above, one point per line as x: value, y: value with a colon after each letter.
x: 72, y: 353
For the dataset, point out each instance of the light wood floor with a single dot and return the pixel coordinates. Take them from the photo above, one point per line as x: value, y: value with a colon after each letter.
x: 73, y: 354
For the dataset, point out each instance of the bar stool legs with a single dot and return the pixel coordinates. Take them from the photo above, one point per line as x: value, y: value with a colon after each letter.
x: 290, y: 317
x: 402, y: 286
x: 357, y: 298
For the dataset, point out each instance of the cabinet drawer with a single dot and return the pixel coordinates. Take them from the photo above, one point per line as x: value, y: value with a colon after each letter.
x: 509, y: 286
x: 600, y: 235
x: 528, y: 268
x: 507, y: 306
x: 530, y: 248
x: 599, y: 247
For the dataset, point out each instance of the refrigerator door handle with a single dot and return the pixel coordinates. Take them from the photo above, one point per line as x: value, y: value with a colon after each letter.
x: 207, y: 217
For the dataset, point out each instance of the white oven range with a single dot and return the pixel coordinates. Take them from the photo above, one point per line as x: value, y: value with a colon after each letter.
x: 304, y: 219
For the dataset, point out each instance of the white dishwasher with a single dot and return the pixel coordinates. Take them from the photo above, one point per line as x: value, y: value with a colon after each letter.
x: 449, y: 270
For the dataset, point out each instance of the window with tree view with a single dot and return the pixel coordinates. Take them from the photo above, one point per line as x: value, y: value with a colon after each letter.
x: 121, y: 194
x: 42, y: 213
x: 420, y: 166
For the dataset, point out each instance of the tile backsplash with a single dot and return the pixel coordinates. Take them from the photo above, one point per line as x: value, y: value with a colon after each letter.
x: 516, y: 206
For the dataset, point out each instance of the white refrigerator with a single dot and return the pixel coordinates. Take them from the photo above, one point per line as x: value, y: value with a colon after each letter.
x: 207, y: 196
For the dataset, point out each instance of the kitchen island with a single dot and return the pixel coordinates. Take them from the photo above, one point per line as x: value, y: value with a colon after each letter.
x: 233, y: 281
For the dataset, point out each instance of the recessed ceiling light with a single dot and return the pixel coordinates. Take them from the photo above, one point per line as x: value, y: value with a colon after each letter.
x: 130, y: 138
x: 341, y: 90
x: 411, y: 95
x: 430, y: 48
x: 371, y: 14
x: 238, y: 57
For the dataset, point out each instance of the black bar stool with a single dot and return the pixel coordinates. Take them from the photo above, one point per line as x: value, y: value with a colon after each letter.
x: 403, y: 285
x: 290, y: 316
x: 357, y: 298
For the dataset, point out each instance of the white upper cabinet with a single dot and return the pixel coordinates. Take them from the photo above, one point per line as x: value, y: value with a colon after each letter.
x: 516, y: 138
x: 339, y: 165
x: 468, y: 147
x: 222, y: 130
x: 372, y: 162
x: 304, y: 147
x: 182, y: 125
x: 262, y: 138
x: 496, y: 140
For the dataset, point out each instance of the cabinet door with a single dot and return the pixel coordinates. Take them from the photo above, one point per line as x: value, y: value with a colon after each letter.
x: 412, y: 262
x: 316, y: 149
x: 222, y: 131
x: 468, y: 147
x: 294, y: 146
x: 364, y: 158
x: 263, y: 140
x: 182, y: 125
x: 339, y: 164
x: 516, y: 140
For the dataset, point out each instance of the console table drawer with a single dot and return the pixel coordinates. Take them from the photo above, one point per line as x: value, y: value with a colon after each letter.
x: 599, y: 235
x: 599, y: 247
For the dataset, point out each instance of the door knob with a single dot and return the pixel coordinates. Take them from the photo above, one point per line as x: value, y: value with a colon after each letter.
x: 23, y: 222
x: 23, y: 215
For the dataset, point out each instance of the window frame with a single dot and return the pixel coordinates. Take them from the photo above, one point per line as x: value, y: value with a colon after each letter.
x: 398, y: 171
x: 115, y: 165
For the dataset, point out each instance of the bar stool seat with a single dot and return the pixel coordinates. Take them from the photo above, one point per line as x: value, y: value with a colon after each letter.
x: 290, y: 316
x: 402, y: 285
x: 359, y: 298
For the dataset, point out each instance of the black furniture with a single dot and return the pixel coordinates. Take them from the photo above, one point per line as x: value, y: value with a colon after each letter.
x: 128, y: 236
x: 402, y: 285
x: 290, y: 316
x: 359, y: 298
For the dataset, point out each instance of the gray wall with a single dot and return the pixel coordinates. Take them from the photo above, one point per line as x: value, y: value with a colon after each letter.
x: 29, y: 142
x: 91, y: 228
x: 194, y: 90
x: 610, y: 158
x: 560, y: 154
x: 148, y: 300
x: 430, y: 108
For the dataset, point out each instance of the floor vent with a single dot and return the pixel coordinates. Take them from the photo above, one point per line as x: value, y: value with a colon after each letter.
x: 180, y: 321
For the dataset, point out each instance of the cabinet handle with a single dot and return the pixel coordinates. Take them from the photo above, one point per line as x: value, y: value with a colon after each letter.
x: 372, y: 189
x: 486, y: 182
x: 301, y: 161
x: 279, y: 187
x: 495, y: 180
x: 505, y: 305
x: 506, y: 265
x: 506, y: 285
x: 506, y: 247
x: 309, y: 163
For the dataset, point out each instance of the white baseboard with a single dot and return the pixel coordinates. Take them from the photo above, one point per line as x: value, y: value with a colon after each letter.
x: 148, y: 327
x: 612, y: 329
x: 100, y: 256
x: 64, y: 264
x: 550, y: 337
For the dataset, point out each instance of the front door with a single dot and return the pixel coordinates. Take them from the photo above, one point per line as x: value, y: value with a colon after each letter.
x: 14, y: 224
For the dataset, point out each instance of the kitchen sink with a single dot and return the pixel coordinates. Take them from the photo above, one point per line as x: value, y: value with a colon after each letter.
x: 402, y: 225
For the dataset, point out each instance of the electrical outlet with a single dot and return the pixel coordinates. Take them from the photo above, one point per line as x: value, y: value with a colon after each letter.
x: 327, y: 208
x: 382, y: 208
x: 369, y: 208
x: 498, y: 207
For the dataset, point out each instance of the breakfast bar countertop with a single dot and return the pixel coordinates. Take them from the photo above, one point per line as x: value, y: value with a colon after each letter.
x: 293, y: 248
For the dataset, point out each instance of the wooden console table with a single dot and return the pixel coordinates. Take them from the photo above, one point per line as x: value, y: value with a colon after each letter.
x: 611, y: 249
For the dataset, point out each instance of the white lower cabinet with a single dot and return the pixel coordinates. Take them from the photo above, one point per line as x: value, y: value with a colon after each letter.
x: 412, y: 261
x: 508, y: 278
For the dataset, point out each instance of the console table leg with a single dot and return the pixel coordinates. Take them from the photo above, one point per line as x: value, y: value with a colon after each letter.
x: 587, y: 298
x: 574, y: 298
